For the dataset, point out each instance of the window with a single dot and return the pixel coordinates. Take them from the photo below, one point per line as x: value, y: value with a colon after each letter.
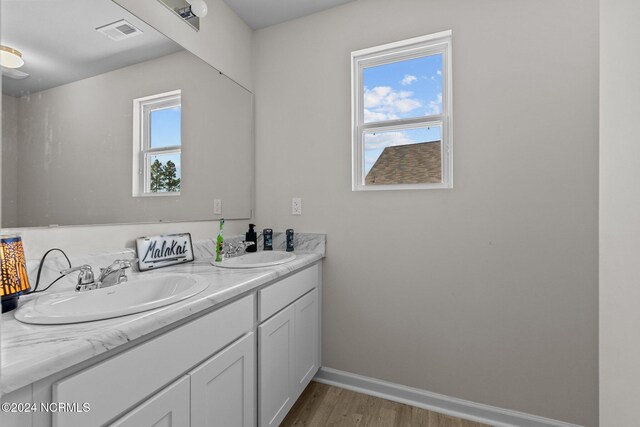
x: 401, y: 106
x: 157, y: 145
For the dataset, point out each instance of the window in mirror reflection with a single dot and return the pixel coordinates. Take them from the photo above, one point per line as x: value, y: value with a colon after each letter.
x: 164, y: 173
x: 157, y: 145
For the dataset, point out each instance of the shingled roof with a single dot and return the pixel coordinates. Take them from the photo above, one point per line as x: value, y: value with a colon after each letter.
x: 407, y: 164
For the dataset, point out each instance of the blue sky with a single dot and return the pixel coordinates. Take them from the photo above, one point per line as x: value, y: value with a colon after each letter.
x: 165, y: 127
x: 401, y: 90
x: 166, y: 132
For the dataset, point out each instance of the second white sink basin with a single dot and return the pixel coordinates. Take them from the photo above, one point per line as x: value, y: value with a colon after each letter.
x: 135, y: 296
x: 256, y: 259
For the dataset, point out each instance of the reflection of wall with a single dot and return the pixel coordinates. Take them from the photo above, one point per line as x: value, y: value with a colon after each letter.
x: 75, y: 150
x: 487, y: 291
x: 9, y: 165
x: 224, y: 40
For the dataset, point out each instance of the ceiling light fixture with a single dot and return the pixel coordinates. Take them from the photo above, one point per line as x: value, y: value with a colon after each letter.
x: 198, y: 8
x: 10, y: 57
x: 189, y: 10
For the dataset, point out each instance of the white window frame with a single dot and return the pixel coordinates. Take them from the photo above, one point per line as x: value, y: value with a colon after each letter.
x: 439, y: 43
x: 142, y: 108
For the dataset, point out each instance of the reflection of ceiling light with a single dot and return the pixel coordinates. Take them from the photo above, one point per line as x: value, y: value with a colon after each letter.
x: 191, y: 11
x: 10, y: 57
x: 198, y: 8
x: 195, y: 8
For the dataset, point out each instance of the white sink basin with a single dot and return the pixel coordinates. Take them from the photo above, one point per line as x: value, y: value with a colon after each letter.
x: 136, y: 295
x: 256, y: 259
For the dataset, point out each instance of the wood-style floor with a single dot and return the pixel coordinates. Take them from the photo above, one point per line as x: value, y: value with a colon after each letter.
x: 321, y: 405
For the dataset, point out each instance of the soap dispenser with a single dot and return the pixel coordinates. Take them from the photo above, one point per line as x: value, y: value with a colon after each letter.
x: 251, y: 236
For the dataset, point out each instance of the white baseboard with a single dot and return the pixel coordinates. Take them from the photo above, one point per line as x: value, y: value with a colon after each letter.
x: 465, y: 409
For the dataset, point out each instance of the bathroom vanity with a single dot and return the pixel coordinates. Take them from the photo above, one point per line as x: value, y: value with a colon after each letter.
x: 237, y: 354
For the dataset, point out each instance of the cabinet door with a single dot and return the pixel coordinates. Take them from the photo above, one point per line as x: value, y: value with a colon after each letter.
x: 168, y: 408
x: 276, y: 370
x: 306, y: 341
x: 223, y: 387
x: 17, y: 419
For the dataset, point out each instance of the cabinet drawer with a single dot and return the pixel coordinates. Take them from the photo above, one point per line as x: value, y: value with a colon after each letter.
x: 275, y: 297
x: 113, y: 386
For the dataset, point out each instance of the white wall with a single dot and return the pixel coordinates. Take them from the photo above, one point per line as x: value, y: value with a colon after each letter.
x: 224, y: 40
x: 488, y: 291
x: 619, y: 219
x: 9, y: 168
x: 81, y: 240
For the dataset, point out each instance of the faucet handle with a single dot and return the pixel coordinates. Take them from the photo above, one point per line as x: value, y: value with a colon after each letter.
x: 74, y: 269
x: 126, y: 263
x: 120, y: 264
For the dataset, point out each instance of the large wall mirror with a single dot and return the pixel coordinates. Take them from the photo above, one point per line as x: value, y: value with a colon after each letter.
x: 106, y: 121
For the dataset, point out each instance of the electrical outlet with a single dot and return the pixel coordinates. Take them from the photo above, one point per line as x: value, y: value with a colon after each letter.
x: 217, y: 207
x: 296, y: 206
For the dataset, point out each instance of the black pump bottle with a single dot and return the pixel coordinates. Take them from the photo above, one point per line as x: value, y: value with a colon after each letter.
x: 251, y: 236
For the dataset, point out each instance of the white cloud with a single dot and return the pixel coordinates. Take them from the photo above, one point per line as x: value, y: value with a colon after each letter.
x: 386, y: 139
x: 435, y: 106
x: 408, y: 79
x: 372, y: 116
x: 375, y: 97
x: 385, y: 103
x: 439, y: 72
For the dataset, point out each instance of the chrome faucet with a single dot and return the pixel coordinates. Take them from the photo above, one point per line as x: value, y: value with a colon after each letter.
x: 114, y: 274
x: 85, y: 277
x: 232, y: 249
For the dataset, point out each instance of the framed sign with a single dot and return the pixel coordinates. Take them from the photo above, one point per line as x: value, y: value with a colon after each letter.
x: 161, y: 251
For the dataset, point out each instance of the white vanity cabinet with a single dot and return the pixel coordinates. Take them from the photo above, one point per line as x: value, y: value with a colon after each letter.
x: 241, y: 365
x: 112, y: 386
x: 218, y: 393
x: 288, y: 343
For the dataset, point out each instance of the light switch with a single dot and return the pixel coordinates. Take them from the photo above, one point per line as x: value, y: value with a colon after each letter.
x: 217, y: 207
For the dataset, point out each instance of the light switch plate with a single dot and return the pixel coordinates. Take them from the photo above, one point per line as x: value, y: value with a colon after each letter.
x: 296, y: 206
x: 217, y: 207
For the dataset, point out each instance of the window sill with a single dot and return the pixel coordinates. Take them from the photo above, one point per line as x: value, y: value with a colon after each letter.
x: 157, y: 195
x: 438, y: 186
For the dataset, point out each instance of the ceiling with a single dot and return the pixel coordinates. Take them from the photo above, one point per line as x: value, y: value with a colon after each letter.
x: 264, y: 13
x: 60, y: 45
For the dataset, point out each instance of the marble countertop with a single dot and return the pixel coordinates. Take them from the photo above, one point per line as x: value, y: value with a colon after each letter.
x: 33, y: 352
